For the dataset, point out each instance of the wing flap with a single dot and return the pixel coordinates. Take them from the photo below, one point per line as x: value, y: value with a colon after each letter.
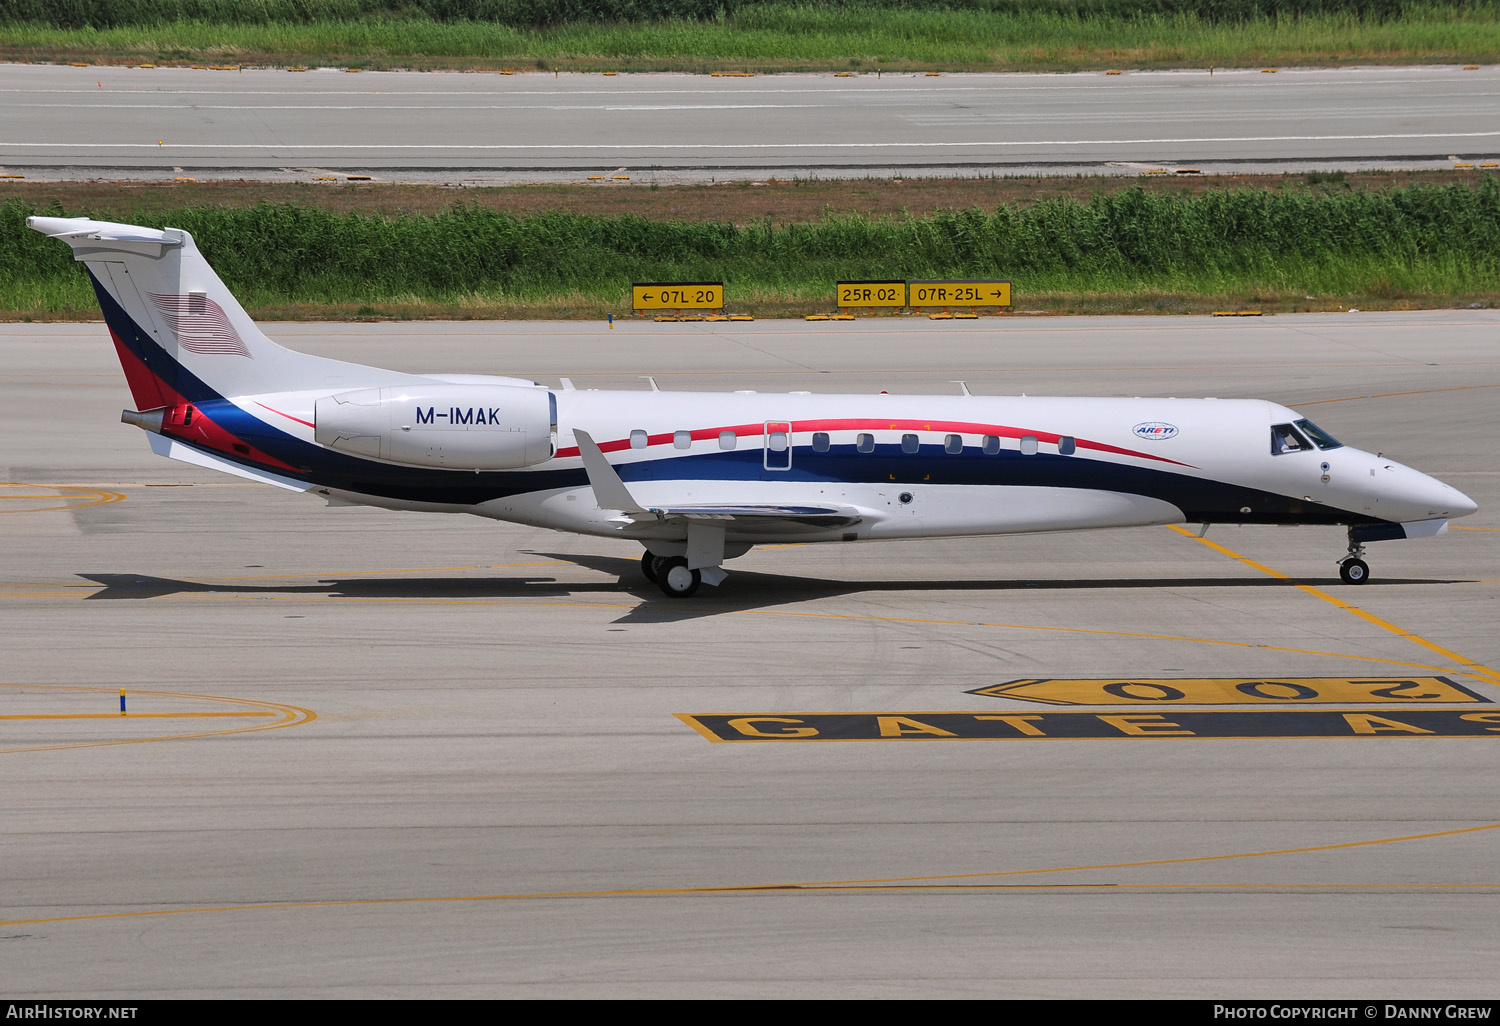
x: 756, y: 511
x: 748, y: 514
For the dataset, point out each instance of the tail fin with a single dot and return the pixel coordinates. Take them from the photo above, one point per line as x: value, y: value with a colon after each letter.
x: 180, y: 334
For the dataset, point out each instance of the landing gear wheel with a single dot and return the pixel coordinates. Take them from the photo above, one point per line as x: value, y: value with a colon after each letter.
x: 675, y: 578
x: 649, y: 562
x: 1354, y: 571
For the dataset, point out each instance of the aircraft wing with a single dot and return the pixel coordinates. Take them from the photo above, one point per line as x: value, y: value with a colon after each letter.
x: 611, y: 493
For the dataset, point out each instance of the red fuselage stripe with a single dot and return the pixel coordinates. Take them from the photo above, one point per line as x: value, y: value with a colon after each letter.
x: 288, y: 416
x: 873, y: 424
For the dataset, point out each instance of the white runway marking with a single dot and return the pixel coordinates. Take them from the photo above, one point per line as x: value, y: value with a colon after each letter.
x: 412, y: 106
x: 876, y: 87
x: 771, y: 146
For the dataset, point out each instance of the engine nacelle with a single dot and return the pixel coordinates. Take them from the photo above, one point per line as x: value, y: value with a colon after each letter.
x: 455, y: 427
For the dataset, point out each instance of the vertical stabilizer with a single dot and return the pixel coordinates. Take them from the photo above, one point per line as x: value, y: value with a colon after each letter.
x: 181, y: 335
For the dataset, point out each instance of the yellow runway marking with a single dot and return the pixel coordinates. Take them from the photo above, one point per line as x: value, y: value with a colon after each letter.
x: 131, y: 716
x: 1468, y: 667
x: 198, y: 596
x: 1111, y: 634
x: 91, y: 497
x: 285, y: 716
x: 1389, y: 395
x: 1471, y: 668
x: 947, y: 881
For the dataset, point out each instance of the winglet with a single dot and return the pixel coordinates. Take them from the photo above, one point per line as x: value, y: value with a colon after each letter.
x: 609, y: 490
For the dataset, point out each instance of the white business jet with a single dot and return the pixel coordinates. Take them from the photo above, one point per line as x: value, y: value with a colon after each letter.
x: 699, y: 478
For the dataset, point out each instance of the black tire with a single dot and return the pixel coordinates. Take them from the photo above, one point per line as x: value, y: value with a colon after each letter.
x: 676, y: 579
x: 1354, y: 571
x: 648, y: 565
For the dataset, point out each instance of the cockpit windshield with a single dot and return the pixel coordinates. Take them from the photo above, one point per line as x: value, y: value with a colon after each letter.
x: 1285, y: 438
x: 1322, y: 439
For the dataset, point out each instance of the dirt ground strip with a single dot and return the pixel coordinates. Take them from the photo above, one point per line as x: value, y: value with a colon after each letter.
x: 782, y: 201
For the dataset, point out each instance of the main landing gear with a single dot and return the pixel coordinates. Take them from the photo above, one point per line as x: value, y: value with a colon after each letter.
x: 1352, y: 568
x: 694, y: 561
x: 671, y: 574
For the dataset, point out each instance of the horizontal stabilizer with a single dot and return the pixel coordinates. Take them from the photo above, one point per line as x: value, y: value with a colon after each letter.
x: 104, y: 231
x: 173, y: 449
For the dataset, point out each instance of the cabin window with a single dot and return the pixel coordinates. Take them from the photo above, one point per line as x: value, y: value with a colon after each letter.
x: 1066, y: 445
x: 820, y: 441
x: 682, y: 439
x: 1322, y: 439
x: 865, y: 443
x: 910, y: 443
x: 953, y: 444
x: 991, y: 445
x: 637, y: 439
x: 1029, y: 445
x: 1285, y: 438
x: 777, y: 441
x: 728, y: 439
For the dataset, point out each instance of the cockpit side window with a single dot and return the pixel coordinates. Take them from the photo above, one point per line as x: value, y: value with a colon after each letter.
x: 1322, y: 439
x: 1285, y: 438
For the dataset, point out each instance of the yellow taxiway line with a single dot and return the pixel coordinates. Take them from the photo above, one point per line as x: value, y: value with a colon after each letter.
x: 132, y: 716
x: 1471, y: 668
x: 94, y: 497
x: 954, y: 881
x: 280, y: 716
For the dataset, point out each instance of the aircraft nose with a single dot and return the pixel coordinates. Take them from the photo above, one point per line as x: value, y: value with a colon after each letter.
x: 1462, y: 504
x: 1405, y: 494
x: 1432, y: 498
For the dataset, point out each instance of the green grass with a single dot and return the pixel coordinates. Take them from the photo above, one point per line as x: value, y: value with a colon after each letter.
x: 785, y: 36
x: 1416, y: 246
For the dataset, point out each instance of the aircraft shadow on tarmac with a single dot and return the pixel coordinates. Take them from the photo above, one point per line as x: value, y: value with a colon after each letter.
x: 745, y: 590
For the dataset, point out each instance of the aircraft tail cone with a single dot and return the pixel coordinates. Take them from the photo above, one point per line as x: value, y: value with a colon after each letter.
x: 148, y: 420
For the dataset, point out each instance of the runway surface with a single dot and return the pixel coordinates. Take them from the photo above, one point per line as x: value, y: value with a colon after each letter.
x: 162, y: 123
x: 374, y: 754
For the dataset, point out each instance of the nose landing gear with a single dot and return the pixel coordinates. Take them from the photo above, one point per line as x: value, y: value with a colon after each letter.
x: 1352, y: 568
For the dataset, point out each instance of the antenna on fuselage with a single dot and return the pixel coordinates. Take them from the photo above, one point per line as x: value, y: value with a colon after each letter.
x: 963, y: 386
x: 654, y: 386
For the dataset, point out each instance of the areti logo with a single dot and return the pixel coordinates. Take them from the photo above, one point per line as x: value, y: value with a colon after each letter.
x: 1155, y: 430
